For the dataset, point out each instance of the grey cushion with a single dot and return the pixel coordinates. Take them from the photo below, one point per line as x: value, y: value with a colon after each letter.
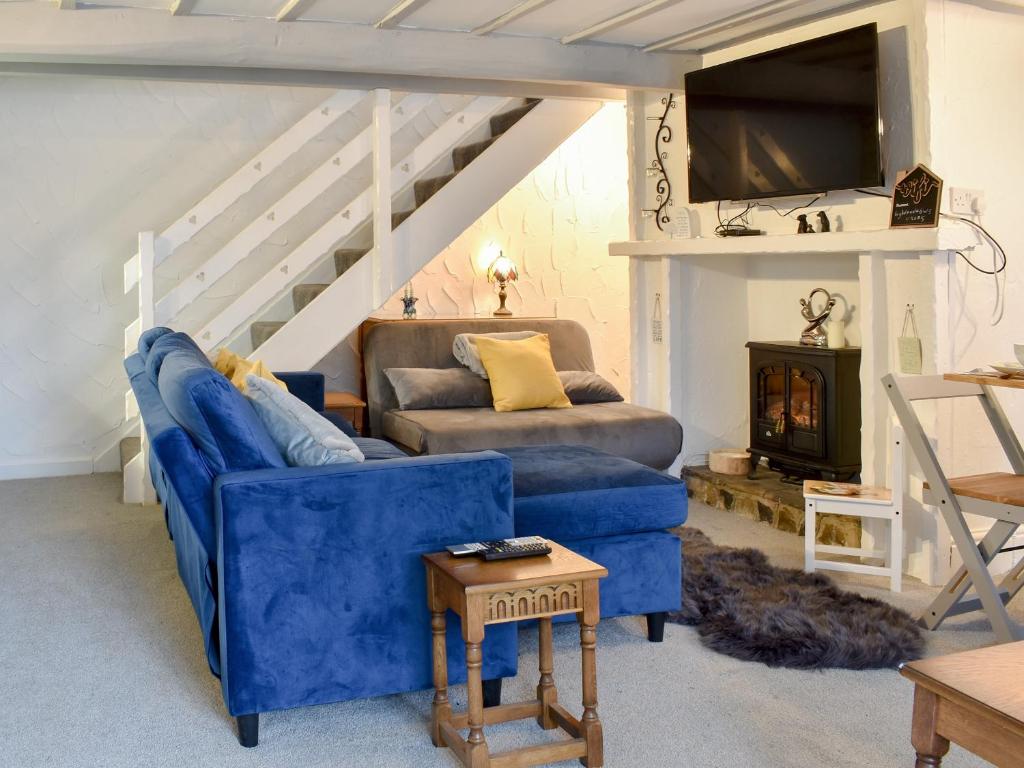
x: 621, y: 429
x: 428, y: 344
x: 424, y: 388
x: 582, y: 387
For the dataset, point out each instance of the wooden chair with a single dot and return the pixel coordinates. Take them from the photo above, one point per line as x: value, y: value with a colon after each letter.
x: 997, y: 495
x: 876, y: 503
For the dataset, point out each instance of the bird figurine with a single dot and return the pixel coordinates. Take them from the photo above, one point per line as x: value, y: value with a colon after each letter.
x: 803, y: 227
x: 823, y: 223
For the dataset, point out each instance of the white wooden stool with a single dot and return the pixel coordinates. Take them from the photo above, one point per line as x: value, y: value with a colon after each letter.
x: 826, y: 498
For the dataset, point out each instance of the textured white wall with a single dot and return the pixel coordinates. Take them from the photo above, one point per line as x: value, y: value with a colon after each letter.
x: 556, y: 225
x: 85, y: 164
x: 975, y: 58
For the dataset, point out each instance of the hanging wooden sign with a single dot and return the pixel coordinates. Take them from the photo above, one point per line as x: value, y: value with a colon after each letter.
x: 916, y: 198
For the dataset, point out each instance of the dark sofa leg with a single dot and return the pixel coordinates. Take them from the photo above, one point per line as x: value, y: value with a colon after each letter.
x: 492, y: 692
x: 248, y: 730
x: 656, y: 626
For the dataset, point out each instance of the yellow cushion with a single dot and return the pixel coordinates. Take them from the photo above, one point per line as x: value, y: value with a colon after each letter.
x: 522, y: 373
x: 236, y: 368
x: 225, y: 362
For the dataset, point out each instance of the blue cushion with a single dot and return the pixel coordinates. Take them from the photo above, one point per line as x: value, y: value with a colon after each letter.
x: 567, y: 492
x: 303, y: 436
x: 340, y: 422
x: 147, y: 338
x: 165, y: 345
x: 375, y: 450
x: 308, y: 386
x: 215, y: 414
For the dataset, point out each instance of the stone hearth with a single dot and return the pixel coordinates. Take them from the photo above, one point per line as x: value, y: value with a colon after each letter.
x: 768, y: 500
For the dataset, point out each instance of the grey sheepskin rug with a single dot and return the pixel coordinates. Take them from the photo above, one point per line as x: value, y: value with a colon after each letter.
x: 748, y: 609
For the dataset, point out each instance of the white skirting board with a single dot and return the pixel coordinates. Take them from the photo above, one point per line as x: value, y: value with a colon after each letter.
x: 56, y: 468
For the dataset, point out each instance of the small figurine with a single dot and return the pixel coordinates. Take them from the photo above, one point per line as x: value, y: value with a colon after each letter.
x: 823, y: 223
x: 803, y: 228
x: 409, y: 304
x: 813, y: 335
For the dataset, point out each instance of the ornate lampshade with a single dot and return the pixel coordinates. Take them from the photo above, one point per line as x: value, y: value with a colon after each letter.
x: 502, y: 271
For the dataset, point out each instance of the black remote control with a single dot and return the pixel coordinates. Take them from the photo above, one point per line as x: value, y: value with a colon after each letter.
x: 503, y: 549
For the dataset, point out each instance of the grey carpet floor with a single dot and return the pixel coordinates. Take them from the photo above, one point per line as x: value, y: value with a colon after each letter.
x: 101, y: 664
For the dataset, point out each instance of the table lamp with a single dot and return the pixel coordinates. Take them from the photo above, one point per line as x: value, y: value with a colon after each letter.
x: 502, y: 271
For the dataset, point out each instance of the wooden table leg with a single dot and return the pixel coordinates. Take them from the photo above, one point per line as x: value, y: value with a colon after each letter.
x: 590, y: 724
x: 441, y: 709
x: 929, y: 745
x: 547, y: 694
x: 476, y: 745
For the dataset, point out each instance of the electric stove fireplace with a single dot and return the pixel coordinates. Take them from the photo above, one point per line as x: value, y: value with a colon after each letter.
x: 805, y: 409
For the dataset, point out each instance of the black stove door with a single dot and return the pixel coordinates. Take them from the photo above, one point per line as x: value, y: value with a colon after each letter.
x: 805, y: 396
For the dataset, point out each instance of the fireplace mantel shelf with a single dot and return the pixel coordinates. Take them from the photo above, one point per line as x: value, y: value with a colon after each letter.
x: 949, y: 237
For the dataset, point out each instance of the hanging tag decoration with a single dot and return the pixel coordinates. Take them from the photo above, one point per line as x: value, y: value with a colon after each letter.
x: 909, y: 346
x: 657, y: 330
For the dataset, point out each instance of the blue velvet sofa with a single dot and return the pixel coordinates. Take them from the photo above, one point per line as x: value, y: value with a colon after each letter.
x: 307, y: 582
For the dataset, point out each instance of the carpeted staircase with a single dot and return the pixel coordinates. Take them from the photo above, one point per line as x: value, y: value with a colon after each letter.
x: 423, y: 190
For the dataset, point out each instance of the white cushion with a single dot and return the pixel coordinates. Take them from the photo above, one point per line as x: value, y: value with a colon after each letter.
x: 303, y: 436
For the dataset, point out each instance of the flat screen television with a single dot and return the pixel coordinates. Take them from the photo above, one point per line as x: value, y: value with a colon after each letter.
x: 797, y: 120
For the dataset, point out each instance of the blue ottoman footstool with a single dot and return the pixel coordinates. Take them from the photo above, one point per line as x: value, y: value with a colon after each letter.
x: 610, y: 510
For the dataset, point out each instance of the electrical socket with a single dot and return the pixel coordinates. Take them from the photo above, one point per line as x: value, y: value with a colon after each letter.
x: 966, y: 202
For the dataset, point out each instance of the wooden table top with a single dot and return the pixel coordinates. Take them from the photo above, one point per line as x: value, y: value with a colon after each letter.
x: 342, y: 400
x: 991, y: 679
x: 986, y: 379
x: 476, y: 575
x: 1000, y: 487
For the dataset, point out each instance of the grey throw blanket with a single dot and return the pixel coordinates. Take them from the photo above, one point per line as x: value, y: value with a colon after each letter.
x: 466, y: 353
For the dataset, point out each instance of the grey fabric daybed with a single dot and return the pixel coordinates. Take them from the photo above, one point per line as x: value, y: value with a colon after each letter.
x: 644, y: 435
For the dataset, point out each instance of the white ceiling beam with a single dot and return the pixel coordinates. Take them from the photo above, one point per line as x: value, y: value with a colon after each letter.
x: 619, y: 20
x: 402, y: 9
x: 66, y: 5
x: 33, y: 33
x: 754, y: 22
x: 182, y: 7
x: 291, y: 10
x: 525, y: 7
x: 753, y: 14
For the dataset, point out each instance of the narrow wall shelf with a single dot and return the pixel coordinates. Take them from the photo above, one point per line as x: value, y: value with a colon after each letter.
x: 944, y: 238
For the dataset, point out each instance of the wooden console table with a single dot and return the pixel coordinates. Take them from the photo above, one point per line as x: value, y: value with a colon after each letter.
x: 973, y: 699
x: 349, y: 406
x: 482, y: 593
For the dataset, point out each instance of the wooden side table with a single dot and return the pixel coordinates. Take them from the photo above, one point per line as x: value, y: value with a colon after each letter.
x: 973, y: 699
x: 482, y: 593
x: 347, y: 405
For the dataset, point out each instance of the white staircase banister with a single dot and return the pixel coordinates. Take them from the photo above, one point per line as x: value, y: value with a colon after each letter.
x: 138, y: 486
x: 382, y: 254
x: 243, y: 180
x: 307, y: 254
x: 323, y: 323
x: 280, y: 213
